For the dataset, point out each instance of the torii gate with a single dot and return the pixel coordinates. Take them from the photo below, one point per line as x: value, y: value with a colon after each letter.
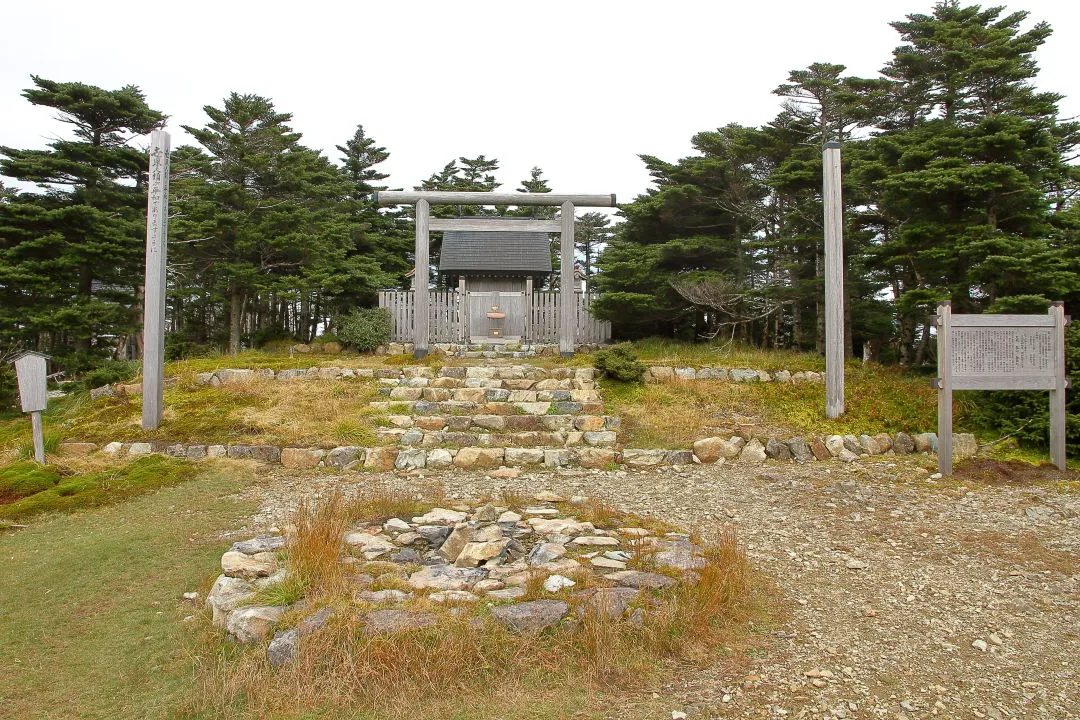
x: 423, y: 200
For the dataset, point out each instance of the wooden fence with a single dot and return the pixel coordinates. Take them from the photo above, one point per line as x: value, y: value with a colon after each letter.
x: 447, y: 321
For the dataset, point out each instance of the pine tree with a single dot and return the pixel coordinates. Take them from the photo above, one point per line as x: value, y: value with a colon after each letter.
x: 72, y: 253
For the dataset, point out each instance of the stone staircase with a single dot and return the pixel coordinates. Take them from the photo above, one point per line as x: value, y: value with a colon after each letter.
x: 530, y: 415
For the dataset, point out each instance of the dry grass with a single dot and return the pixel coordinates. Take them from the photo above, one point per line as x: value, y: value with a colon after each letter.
x: 1025, y: 549
x: 676, y: 413
x: 298, y: 414
x: 467, y: 661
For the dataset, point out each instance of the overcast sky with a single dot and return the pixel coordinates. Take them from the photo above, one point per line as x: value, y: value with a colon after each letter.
x: 577, y: 88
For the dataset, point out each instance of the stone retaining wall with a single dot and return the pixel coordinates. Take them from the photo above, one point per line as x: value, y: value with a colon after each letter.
x: 661, y: 373
x: 846, y: 448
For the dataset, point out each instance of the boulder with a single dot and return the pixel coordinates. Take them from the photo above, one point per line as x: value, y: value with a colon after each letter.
x: 226, y: 595
x: 545, y: 553
x: 456, y: 542
x: 711, y: 449
x: 453, y: 596
x: 475, y: 553
x: 532, y: 616
x: 252, y: 624
x: 819, y: 449
x: 903, y: 444
x: 964, y: 445
x: 926, y: 442
x: 753, y: 452
x: 800, y: 449
x: 445, y: 577
x: 240, y: 565
x: 777, y: 449
x: 835, y: 443
x: 283, y: 648
x: 595, y: 540
x: 260, y: 544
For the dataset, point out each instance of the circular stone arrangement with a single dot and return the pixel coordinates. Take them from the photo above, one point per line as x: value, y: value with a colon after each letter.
x: 535, y: 567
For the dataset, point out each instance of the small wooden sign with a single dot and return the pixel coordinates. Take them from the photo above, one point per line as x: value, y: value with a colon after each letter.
x: 31, y: 369
x: 1001, y: 352
x: 33, y: 387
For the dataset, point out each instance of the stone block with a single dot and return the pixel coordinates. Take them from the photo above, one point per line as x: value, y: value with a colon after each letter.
x: 380, y: 459
x: 411, y: 459
x: 301, y: 458
x: 592, y: 457
x: 964, y: 445
x: 903, y: 444
x: 777, y: 449
x: 709, y: 450
x: 342, y: 457
x: 523, y: 456
x: 479, y: 458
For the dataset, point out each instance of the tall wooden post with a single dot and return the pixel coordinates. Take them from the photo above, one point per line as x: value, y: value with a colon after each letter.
x: 39, y: 437
x: 157, y: 233
x: 567, y: 304
x: 1057, y: 394
x: 834, y: 282
x: 945, y: 389
x: 420, y: 281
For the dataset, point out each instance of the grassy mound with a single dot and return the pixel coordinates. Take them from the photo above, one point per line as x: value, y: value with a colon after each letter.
x: 29, y: 490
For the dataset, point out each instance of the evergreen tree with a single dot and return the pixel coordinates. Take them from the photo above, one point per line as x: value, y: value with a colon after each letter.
x: 71, y: 254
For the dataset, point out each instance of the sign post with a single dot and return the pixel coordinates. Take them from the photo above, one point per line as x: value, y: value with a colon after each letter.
x: 157, y: 233
x: 834, y: 281
x: 33, y: 394
x: 1001, y: 352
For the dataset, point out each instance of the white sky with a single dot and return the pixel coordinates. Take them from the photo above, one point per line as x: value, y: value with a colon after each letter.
x: 578, y: 88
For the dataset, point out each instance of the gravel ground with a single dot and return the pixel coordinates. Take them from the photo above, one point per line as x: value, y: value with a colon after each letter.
x: 898, y: 595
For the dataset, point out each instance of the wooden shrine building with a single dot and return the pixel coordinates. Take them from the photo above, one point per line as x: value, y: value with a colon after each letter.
x: 495, y: 267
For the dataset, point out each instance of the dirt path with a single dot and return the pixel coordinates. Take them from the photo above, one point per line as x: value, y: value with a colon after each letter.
x: 900, y: 596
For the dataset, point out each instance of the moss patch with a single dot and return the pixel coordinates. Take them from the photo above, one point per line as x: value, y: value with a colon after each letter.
x: 103, y: 487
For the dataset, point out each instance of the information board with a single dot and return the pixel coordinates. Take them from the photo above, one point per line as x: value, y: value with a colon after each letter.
x: 1001, y: 352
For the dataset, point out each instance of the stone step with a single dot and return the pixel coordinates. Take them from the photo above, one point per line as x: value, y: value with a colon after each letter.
x: 505, y: 423
x: 486, y: 395
x: 458, y: 407
x: 513, y: 385
x: 487, y: 372
x: 531, y: 438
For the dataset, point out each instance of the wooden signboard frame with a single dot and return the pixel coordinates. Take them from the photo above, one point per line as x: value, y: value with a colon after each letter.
x: 31, y: 368
x: 1001, y: 352
x: 425, y: 225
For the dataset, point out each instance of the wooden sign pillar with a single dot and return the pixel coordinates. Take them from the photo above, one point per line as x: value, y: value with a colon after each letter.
x: 1001, y: 352
x: 420, y: 280
x: 157, y: 235
x: 834, y: 282
x: 567, y: 299
x: 33, y: 395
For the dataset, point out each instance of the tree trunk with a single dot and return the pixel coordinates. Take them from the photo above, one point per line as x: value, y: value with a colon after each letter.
x: 236, y: 309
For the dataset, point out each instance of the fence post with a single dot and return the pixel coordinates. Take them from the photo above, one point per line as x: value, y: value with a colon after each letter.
x: 944, y: 406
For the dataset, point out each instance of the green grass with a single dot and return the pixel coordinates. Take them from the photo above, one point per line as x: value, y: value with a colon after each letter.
x: 45, y: 490
x: 658, y: 351
x: 674, y: 414
x: 91, y: 622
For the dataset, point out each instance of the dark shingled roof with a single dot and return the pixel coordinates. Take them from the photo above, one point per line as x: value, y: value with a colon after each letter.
x: 495, y: 251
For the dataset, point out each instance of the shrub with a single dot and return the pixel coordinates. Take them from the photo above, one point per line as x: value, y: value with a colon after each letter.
x: 365, y: 328
x: 619, y: 362
x: 109, y: 372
